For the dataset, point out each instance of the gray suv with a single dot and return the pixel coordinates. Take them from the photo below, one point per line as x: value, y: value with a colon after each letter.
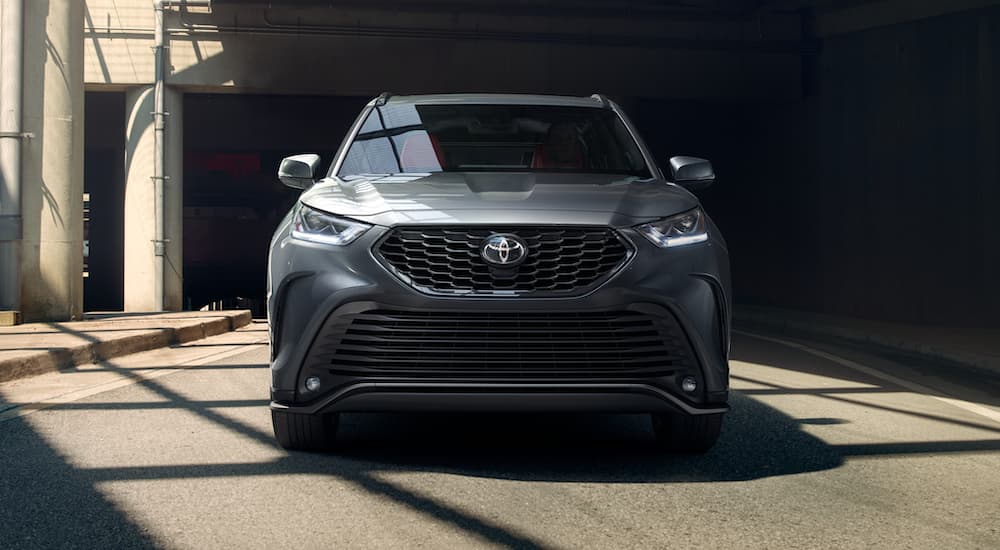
x: 497, y: 253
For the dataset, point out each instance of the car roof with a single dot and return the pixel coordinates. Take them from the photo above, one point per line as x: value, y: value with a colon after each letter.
x: 595, y: 100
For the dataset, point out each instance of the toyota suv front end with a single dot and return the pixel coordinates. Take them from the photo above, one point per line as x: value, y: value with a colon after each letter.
x: 497, y: 253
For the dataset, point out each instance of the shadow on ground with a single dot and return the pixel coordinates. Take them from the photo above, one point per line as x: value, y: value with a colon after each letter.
x: 47, y: 503
x: 757, y: 441
x: 955, y: 380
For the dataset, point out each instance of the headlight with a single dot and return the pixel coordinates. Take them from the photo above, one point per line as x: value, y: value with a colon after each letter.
x: 320, y: 227
x: 679, y: 230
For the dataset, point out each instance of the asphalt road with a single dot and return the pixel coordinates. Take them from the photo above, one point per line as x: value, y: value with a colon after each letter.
x: 823, y: 449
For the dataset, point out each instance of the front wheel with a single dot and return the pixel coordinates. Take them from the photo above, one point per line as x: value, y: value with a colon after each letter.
x: 304, y: 432
x: 682, y: 433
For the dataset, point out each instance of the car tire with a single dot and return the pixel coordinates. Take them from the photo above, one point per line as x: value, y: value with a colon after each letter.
x: 682, y: 433
x: 305, y: 432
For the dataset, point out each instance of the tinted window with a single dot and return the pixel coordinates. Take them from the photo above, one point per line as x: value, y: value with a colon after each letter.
x: 407, y: 138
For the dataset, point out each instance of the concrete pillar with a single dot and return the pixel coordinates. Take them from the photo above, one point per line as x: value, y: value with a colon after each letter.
x: 52, y: 169
x: 140, y: 202
x: 11, y: 101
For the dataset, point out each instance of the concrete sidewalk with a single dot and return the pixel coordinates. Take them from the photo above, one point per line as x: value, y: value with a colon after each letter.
x: 35, y: 348
x: 970, y: 347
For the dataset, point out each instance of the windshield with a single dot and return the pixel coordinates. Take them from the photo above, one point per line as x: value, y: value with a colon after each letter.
x: 409, y: 138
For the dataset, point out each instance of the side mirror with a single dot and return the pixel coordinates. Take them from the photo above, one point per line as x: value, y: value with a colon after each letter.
x: 692, y: 173
x: 299, y: 171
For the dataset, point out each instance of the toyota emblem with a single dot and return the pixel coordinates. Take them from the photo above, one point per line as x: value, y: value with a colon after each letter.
x: 503, y: 250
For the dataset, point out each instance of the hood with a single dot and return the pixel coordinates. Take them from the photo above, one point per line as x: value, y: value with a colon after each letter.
x: 500, y: 198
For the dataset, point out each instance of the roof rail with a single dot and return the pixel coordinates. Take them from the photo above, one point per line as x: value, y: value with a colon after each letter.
x: 382, y: 98
x: 602, y: 100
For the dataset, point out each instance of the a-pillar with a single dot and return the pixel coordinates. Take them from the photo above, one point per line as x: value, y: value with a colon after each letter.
x: 52, y: 162
x: 142, y: 267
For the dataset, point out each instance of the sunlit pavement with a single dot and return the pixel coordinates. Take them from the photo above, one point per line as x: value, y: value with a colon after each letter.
x: 823, y: 448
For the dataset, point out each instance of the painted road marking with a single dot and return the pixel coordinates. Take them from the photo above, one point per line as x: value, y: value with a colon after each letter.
x: 974, y: 408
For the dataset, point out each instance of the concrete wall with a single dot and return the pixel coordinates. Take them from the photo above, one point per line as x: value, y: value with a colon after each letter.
x: 877, y: 196
x: 118, y: 42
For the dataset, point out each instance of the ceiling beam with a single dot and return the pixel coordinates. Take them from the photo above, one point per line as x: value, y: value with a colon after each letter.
x: 667, y: 9
x: 870, y: 15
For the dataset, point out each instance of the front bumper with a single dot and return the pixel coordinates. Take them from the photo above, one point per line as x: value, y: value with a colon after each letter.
x: 497, y: 397
x: 316, y: 291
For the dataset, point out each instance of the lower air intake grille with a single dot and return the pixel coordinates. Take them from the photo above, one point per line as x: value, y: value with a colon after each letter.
x: 501, y: 345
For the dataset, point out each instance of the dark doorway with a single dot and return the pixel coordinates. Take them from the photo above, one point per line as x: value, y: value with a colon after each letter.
x: 233, y: 200
x: 104, y: 193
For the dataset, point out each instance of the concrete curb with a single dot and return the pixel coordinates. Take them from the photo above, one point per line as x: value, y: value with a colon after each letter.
x: 39, y: 362
x: 870, y: 341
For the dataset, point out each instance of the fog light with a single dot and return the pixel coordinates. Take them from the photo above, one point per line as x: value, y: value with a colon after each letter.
x: 688, y: 384
x: 312, y: 383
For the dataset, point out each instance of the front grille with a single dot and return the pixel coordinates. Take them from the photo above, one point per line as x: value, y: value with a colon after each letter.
x: 560, y: 260
x: 500, y: 345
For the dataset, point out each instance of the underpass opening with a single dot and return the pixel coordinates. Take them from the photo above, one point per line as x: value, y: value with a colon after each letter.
x: 233, y: 200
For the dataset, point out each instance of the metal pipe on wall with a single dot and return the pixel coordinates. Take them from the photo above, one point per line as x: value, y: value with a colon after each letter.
x: 159, y: 175
x: 186, y: 3
x: 11, y: 134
